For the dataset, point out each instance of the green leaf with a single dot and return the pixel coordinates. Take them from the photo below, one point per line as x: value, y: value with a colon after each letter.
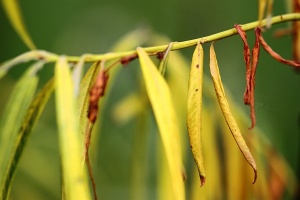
x: 74, y: 177
x: 164, y: 112
x: 194, y: 110
x: 14, y: 14
x: 11, y: 123
x: 231, y: 122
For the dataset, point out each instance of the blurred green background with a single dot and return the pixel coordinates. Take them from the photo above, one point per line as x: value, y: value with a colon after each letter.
x: 74, y: 27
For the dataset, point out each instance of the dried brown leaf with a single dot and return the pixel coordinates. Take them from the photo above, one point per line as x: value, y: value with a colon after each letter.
x: 247, y: 60
x: 255, y: 57
x: 250, y: 69
x: 96, y: 92
x: 275, y: 55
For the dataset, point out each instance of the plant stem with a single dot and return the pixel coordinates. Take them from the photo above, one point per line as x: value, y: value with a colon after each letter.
x: 176, y: 46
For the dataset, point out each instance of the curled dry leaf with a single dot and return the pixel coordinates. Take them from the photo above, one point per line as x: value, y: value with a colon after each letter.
x: 250, y: 69
x: 231, y: 122
x: 247, y: 60
x: 96, y: 92
x: 275, y: 55
x: 194, y: 109
x: 255, y: 57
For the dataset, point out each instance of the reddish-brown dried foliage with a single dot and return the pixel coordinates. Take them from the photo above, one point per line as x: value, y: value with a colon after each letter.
x: 275, y: 55
x: 247, y: 61
x: 250, y: 69
x: 96, y: 92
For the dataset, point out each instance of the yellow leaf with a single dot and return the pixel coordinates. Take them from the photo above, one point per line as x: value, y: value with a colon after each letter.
x: 14, y: 14
x: 194, y: 109
x: 161, y: 102
x: 231, y: 122
x: 74, y: 177
x: 213, y: 163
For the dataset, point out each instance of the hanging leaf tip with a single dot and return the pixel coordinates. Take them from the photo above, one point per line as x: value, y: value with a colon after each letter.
x: 230, y: 120
x: 194, y: 110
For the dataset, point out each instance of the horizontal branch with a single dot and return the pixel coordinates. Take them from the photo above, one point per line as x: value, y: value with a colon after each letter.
x: 38, y: 54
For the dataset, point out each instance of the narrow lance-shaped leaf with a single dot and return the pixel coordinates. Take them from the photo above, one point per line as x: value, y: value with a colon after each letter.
x: 160, y: 99
x: 250, y: 70
x: 194, y: 109
x: 231, y: 122
x: 255, y: 57
x: 74, y: 178
x: 10, y: 124
x: 32, y: 116
x: 275, y: 55
x: 14, y: 14
x: 247, y: 60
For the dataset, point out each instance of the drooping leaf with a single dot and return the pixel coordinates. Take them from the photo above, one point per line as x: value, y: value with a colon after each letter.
x: 213, y: 163
x: 164, y: 112
x: 275, y: 55
x: 231, y: 122
x: 11, y: 123
x: 194, y: 110
x: 250, y: 70
x: 247, y: 60
x: 32, y: 116
x: 74, y: 177
x: 255, y: 56
x: 14, y: 14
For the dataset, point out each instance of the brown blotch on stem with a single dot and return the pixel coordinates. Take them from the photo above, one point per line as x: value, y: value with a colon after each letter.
x: 160, y: 55
x: 128, y: 59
